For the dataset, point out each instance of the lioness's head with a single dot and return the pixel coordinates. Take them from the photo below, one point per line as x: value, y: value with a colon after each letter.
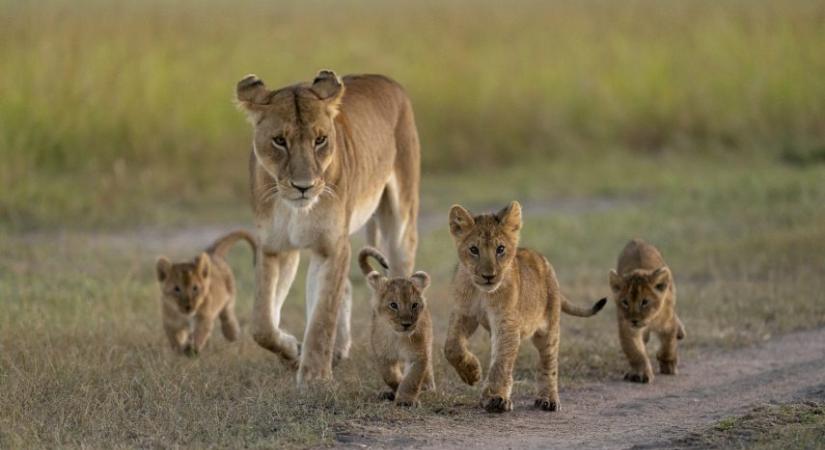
x: 640, y: 294
x: 184, y: 285
x: 400, y: 301
x: 294, y: 135
x: 486, y: 244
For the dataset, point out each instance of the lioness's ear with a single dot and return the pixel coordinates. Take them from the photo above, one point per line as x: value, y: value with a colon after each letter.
x: 616, y: 281
x: 376, y: 280
x: 421, y: 280
x: 203, y: 265
x: 510, y: 216
x: 163, y: 267
x: 660, y: 278
x: 252, y: 96
x: 460, y: 220
x: 329, y: 88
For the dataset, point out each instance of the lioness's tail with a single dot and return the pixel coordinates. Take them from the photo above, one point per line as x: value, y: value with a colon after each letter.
x: 579, y: 311
x: 364, y: 256
x: 221, y: 246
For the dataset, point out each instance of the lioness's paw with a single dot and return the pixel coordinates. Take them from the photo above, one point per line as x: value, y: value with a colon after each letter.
x: 638, y: 377
x: 545, y: 404
x: 497, y: 404
x: 667, y: 367
x: 470, y: 371
x: 308, y: 376
x: 408, y: 402
x: 387, y: 395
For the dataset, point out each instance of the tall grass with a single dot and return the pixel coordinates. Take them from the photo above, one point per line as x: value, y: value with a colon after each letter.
x: 107, y: 105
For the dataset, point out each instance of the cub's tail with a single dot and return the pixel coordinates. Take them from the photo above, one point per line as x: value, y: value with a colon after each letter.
x: 579, y: 311
x: 221, y: 246
x: 363, y: 260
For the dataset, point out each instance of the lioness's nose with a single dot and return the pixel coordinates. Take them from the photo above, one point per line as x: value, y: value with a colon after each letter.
x: 303, y: 188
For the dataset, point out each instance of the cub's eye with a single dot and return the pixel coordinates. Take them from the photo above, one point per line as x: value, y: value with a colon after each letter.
x: 279, y: 141
x: 644, y: 303
x: 624, y: 303
x: 500, y: 250
x: 194, y: 289
x: 414, y: 306
x: 177, y: 289
x: 474, y: 250
x: 394, y: 306
x: 320, y: 140
x: 661, y: 286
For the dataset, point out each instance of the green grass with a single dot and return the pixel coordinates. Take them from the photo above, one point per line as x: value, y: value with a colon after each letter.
x: 106, y: 107
x: 83, y: 361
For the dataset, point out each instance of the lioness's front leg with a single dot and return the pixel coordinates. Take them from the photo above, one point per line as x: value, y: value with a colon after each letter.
x: 461, y: 327
x: 505, y: 342
x: 331, y: 270
x: 274, y: 274
x: 634, y: 348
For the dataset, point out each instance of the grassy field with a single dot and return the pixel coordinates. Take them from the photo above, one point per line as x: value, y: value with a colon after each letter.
x: 107, y: 106
x: 83, y: 361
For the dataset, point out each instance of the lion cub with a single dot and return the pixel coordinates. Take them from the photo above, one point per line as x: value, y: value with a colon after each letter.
x: 514, y: 294
x: 401, y: 330
x: 645, y: 298
x: 194, y: 294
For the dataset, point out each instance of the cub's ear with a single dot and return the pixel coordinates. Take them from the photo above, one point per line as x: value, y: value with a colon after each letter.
x: 376, y: 280
x: 252, y: 96
x: 203, y: 265
x: 421, y: 280
x: 329, y: 88
x: 460, y: 221
x: 510, y: 216
x: 616, y: 281
x: 660, y: 278
x: 163, y: 268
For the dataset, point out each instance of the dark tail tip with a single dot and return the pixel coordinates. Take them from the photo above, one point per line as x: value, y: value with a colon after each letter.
x: 599, y: 305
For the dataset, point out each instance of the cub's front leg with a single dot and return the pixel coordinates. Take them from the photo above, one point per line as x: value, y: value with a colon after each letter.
x: 391, y: 373
x: 634, y: 348
x: 466, y: 364
x: 505, y: 342
x: 203, y: 329
x: 407, y: 394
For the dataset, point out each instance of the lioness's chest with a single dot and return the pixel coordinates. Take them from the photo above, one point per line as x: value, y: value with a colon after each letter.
x: 291, y: 229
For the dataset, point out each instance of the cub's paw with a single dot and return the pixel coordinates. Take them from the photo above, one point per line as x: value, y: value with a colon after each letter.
x: 190, y: 351
x: 545, y: 404
x: 497, y: 404
x: 407, y: 402
x: 470, y: 371
x: 634, y: 377
x: 667, y: 367
x: 387, y: 395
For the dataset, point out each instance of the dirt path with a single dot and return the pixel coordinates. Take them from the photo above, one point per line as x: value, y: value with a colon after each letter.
x: 617, y: 414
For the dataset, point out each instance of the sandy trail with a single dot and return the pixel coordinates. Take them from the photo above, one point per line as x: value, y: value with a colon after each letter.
x: 618, y: 414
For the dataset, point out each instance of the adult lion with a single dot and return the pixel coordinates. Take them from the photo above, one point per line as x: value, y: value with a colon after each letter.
x: 327, y: 157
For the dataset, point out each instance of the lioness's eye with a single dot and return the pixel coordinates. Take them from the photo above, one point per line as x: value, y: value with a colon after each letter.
x: 393, y: 305
x: 320, y: 140
x: 500, y: 250
x: 279, y: 141
x: 474, y: 249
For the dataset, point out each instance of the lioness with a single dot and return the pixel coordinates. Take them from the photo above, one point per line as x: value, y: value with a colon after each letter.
x: 514, y: 294
x: 194, y: 294
x: 645, y: 297
x: 327, y: 157
x: 401, y: 330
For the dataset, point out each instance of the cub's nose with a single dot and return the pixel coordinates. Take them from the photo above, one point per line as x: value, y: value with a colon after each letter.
x: 489, y: 278
x: 635, y: 323
x: 302, y: 187
x: 406, y: 325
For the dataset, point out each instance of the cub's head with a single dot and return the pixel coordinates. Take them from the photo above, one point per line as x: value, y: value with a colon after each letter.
x: 294, y: 134
x: 399, y: 301
x: 486, y: 244
x: 184, y: 285
x: 640, y: 294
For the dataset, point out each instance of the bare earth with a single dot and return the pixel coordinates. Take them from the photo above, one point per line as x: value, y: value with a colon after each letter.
x: 618, y: 414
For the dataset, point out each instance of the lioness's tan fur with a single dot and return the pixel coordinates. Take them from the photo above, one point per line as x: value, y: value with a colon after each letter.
x: 401, y: 334
x: 195, y: 293
x: 645, y: 297
x: 514, y: 294
x: 327, y: 157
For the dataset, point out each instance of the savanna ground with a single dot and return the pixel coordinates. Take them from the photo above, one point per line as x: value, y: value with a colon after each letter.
x: 699, y: 126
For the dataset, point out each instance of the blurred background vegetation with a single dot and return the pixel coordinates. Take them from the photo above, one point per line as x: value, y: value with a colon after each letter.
x: 121, y: 112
